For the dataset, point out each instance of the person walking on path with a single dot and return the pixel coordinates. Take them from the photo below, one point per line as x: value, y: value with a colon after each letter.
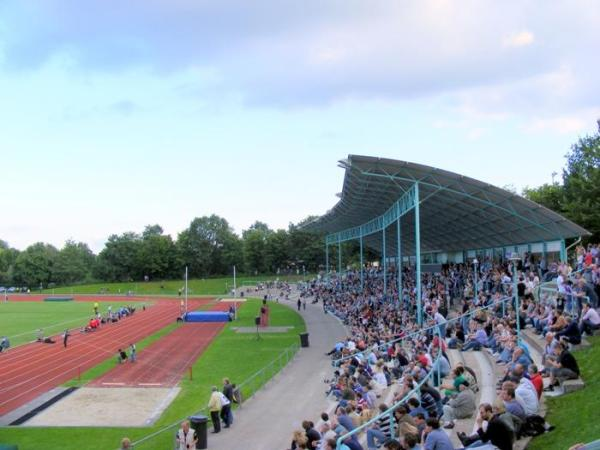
x: 66, y: 337
x: 214, y: 406
x: 132, y: 353
x: 299, y: 304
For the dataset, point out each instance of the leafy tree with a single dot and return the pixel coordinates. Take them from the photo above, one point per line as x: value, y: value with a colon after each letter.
x: 74, y: 263
x: 552, y: 196
x: 8, y: 257
x: 581, y: 180
x: 208, y: 246
x: 158, y: 257
x: 255, y: 247
x: 35, y: 265
x: 119, y: 260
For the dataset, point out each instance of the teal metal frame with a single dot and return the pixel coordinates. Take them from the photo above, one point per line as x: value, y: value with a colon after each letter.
x: 406, y: 203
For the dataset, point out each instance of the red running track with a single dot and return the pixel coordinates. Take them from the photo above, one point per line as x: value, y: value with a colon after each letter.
x: 30, y: 370
x: 164, y: 362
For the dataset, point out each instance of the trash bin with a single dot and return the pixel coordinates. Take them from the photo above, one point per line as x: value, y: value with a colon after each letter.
x: 199, y: 424
x: 304, y: 339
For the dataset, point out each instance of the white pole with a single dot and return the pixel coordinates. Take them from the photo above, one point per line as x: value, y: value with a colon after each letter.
x: 234, y: 284
x: 186, y: 289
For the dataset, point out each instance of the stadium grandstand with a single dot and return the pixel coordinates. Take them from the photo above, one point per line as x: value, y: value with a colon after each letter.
x: 465, y: 323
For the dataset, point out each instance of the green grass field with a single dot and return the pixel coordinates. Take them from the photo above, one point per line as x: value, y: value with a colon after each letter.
x: 237, y: 356
x: 573, y: 414
x: 21, y: 320
x: 208, y: 286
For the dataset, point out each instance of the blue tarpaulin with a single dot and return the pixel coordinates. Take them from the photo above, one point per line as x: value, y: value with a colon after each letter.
x: 207, y: 316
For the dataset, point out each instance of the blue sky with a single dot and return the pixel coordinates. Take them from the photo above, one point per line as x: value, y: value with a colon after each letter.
x: 115, y: 115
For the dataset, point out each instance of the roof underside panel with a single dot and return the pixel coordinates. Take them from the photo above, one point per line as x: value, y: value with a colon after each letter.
x: 457, y: 212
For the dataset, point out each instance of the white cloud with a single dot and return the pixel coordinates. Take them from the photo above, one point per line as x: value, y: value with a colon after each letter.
x: 561, y: 125
x: 520, y: 39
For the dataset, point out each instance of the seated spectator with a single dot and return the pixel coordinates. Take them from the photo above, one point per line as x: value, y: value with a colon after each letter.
x: 590, y: 320
x: 381, y: 430
x: 564, y: 368
x: 570, y: 332
x: 121, y: 356
x: 536, y: 378
x: 476, y: 340
x: 460, y: 407
x: 510, y: 402
x: 497, y: 432
x: 312, y: 436
x: 4, y: 344
x: 415, y: 408
x: 436, y: 439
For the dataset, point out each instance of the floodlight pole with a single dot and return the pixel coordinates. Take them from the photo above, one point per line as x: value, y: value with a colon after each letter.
x: 234, y: 283
x: 186, y: 289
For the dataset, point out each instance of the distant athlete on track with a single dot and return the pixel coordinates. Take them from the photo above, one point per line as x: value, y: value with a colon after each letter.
x: 66, y: 338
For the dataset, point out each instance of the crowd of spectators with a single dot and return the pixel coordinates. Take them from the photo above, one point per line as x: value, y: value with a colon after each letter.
x: 385, y: 347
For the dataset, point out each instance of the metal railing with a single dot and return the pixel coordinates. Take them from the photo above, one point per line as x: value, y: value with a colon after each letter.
x: 247, y: 388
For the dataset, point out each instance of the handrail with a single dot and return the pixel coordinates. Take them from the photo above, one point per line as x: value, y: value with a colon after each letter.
x: 390, y: 411
x: 292, y: 348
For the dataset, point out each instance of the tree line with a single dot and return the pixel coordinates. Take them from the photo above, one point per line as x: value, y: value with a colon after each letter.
x: 578, y: 196
x: 208, y: 247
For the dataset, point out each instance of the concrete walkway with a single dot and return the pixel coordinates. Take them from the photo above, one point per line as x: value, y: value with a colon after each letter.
x: 267, y: 420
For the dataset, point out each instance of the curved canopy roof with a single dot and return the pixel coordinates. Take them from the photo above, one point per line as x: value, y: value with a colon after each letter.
x: 456, y: 212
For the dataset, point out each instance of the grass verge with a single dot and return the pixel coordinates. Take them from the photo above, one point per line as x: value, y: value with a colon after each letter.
x: 573, y: 414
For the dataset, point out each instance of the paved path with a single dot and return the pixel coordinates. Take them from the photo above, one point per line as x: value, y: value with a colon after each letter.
x: 267, y: 420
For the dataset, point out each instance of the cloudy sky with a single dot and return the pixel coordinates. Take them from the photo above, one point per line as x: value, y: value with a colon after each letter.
x: 114, y: 115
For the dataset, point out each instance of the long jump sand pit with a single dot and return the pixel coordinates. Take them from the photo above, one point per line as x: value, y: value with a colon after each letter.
x: 107, y: 407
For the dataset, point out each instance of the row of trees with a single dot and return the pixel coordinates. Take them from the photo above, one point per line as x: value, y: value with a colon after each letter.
x: 578, y: 197
x: 209, y: 246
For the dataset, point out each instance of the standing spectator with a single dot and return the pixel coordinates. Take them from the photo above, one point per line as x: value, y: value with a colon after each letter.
x: 299, y: 304
x: 228, y: 391
x: 125, y: 444
x: 214, y: 406
x: 186, y: 438
x: 132, y: 353
x: 225, y: 409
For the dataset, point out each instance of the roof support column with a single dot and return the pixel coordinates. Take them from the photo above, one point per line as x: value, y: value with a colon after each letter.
x: 418, y: 255
x: 399, y: 263
x: 362, y: 268
x: 384, y: 267
x: 339, y: 258
x: 563, y: 251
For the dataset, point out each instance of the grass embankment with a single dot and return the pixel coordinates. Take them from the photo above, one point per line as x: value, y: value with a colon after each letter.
x: 205, y: 286
x: 21, y: 320
x: 237, y: 356
x: 574, y: 414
